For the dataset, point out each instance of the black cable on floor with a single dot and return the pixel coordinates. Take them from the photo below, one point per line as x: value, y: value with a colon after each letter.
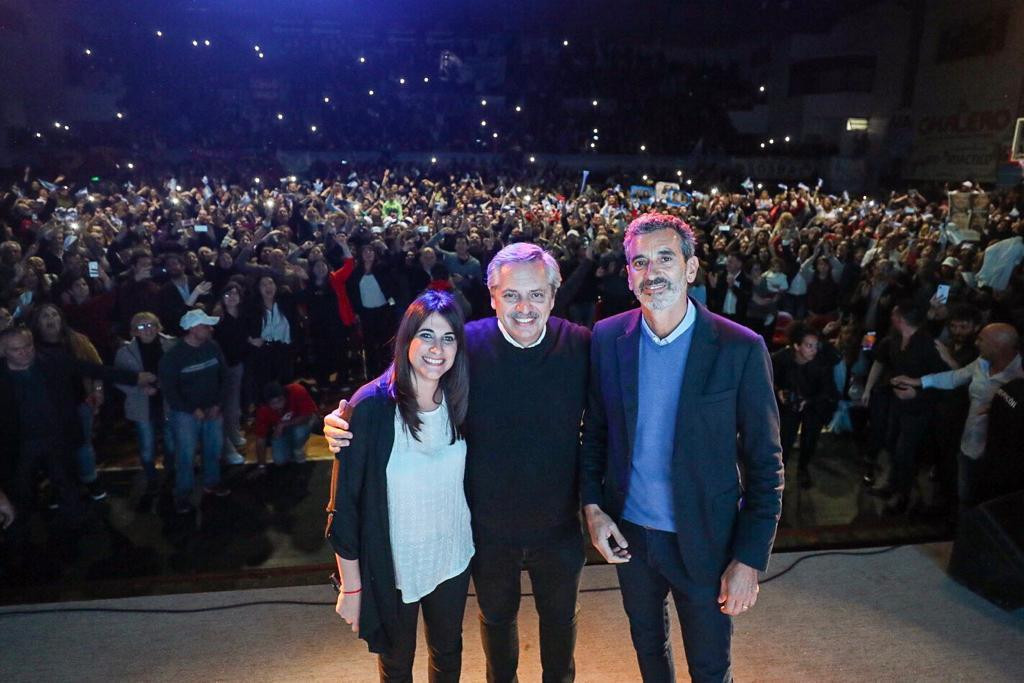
x: 194, y: 610
x: 238, y: 605
x: 826, y: 554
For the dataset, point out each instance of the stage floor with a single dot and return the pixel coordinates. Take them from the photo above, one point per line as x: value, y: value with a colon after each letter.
x: 269, y: 532
x: 887, y: 617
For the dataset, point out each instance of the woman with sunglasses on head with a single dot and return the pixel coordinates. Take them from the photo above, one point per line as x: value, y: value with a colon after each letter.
x: 144, y: 405
x: 402, y: 528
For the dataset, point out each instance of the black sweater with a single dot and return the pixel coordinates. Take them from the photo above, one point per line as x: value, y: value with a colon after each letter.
x: 360, y: 528
x: 522, y: 432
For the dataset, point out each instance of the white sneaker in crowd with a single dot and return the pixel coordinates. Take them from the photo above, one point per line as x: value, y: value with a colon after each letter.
x: 233, y: 457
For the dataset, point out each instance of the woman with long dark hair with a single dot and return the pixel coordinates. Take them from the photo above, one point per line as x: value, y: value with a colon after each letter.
x: 232, y: 334
x: 330, y: 319
x: 822, y: 293
x: 372, y: 290
x: 402, y: 529
x: 274, y: 331
x: 51, y: 332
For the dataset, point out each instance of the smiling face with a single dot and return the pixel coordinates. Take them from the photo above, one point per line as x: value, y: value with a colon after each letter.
x: 432, y: 349
x: 522, y: 299
x: 659, y: 274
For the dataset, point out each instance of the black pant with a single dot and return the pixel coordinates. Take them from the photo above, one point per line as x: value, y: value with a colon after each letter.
x: 53, y: 456
x: 443, y: 610
x: 879, y: 418
x: 656, y: 569
x: 271, y: 362
x: 555, y: 570
x: 907, y: 431
x: 330, y: 354
x: 378, y: 329
x: 810, y: 427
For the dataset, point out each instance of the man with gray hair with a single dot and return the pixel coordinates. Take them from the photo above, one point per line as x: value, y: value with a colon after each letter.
x: 681, y: 401
x: 998, y: 363
x: 528, y: 382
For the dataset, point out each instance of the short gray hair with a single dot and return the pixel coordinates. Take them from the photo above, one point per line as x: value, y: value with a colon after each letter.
x: 652, y: 222
x: 524, y: 252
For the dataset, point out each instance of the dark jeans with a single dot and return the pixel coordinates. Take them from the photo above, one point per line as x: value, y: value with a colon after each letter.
x: 443, y: 610
x: 810, y: 427
x: 879, y: 418
x: 907, y: 431
x: 378, y: 330
x: 655, y: 570
x: 55, y: 459
x: 271, y: 362
x: 555, y: 570
x: 330, y: 353
x: 971, y: 479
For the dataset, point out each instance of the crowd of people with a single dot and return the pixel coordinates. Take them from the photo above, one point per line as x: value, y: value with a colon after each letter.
x: 208, y: 298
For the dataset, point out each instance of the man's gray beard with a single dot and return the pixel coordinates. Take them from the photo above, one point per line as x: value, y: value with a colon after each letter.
x: 666, y: 299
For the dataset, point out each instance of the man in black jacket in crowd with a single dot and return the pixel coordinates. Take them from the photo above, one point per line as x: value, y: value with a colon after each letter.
x: 40, y: 425
x: 729, y: 290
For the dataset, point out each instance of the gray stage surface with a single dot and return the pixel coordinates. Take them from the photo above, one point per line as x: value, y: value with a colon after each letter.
x: 889, y: 617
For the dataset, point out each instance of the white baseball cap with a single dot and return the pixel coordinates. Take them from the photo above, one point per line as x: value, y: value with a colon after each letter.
x: 197, y: 317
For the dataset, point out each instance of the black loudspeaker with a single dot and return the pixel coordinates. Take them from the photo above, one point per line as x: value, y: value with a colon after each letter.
x: 988, y: 553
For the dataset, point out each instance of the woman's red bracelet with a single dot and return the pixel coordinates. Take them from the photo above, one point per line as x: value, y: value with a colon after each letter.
x: 352, y: 592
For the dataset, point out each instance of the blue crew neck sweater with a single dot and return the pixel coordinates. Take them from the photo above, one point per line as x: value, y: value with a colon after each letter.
x: 661, y: 367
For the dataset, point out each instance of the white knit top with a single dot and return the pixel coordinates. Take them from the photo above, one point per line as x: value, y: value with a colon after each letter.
x: 431, y: 539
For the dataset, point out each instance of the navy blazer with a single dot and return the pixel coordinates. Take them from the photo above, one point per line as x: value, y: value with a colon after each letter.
x: 727, y: 421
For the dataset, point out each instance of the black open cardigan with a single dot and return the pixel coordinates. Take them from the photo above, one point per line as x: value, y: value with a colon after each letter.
x: 360, y: 530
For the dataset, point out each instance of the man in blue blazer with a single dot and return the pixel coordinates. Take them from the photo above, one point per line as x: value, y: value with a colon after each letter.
x: 681, y: 466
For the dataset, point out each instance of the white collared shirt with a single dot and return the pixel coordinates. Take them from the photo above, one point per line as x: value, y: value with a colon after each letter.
x: 513, y: 342
x: 983, y: 387
x: 275, y: 326
x: 683, y: 326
